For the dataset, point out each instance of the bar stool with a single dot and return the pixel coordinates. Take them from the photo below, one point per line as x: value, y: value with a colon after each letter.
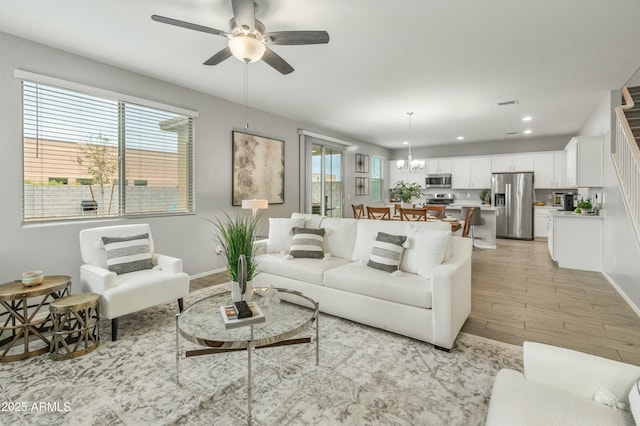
x: 76, y: 329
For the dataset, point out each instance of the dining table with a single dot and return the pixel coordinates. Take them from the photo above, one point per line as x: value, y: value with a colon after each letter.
x: 456, y: 224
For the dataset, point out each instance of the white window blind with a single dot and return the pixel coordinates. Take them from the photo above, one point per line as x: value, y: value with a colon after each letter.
x: 89, y: 156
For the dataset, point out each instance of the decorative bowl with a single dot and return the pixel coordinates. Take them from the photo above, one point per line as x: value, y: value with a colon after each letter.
x: 32, y: 278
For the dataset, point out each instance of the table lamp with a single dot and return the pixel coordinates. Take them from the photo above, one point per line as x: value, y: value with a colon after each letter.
x: 254, y: 205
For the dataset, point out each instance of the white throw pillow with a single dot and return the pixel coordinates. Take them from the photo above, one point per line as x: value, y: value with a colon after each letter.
x: 427, y: 249
x: 310, y: 220
x: 280, y: 234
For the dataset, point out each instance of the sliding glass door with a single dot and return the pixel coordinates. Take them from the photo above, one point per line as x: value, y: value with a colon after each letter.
x: 326, y: 178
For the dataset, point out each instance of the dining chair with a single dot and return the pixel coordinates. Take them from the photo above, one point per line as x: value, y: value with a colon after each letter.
x: 358, y: 211
x: 413, y: 214
x: 438, y: 209
x: 382, y: 213
x: 467, y: 223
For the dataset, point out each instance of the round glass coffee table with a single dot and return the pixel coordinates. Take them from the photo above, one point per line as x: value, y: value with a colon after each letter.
x: 202, y: 324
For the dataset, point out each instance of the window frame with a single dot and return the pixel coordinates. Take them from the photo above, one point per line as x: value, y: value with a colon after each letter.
x: 380, y: 180
x: 188, y: 175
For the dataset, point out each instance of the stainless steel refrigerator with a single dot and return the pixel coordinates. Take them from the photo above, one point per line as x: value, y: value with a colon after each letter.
x: 512, y: 195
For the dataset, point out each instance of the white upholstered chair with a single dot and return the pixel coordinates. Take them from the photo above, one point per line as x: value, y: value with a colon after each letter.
x: 129, y: 292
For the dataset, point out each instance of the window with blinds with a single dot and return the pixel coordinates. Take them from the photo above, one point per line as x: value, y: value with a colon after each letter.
x: 89, y: 156
x: 377, y: 167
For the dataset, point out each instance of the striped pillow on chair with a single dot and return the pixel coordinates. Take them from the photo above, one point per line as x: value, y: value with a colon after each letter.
x: 128, y: 254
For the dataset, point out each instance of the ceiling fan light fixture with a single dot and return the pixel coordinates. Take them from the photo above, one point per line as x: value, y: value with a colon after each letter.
x: 246, y: 48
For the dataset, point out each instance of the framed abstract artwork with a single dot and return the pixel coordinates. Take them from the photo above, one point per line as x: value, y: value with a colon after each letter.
x: 258, y: 168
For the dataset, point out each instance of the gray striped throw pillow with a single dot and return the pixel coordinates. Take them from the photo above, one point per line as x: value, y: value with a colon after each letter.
x: 128, y: 254
x: 387, y: 252
x: 307, y: 242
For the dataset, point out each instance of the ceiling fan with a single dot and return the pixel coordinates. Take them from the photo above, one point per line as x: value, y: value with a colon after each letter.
x: 247, y: 37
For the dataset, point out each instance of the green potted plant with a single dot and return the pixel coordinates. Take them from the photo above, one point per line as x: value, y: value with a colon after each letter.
x: 584, y: 206
x: 485, y: 196
x: 236, y: 236
x: 405, y: 192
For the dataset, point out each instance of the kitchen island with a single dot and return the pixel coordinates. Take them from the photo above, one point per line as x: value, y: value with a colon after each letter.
x: 485, y: 234
x: 575, y: 240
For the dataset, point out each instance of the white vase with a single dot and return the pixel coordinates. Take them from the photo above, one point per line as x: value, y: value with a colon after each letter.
x: 237, y: 296
x: 408, y: 205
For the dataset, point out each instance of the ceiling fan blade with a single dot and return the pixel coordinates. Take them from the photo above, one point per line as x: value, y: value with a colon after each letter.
x: 274, y: 60
x: 244, y: 13
x: 218, y: 57
x: 188, y: 25
x: 297, y: 37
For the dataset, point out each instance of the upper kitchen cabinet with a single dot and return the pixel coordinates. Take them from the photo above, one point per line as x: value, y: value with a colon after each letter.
x: 550, y: 169
x: 438, y: 165
x: 584, y: 161
x: 512, y: 163
x: 469, y: 173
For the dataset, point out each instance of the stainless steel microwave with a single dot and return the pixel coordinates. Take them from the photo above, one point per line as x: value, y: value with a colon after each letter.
x: 440, y: 180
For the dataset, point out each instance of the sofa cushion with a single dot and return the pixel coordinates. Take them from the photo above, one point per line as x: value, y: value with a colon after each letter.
x: 518, y: 401
x: 307, y: 242
x: 280, y: 234
x: 426, y: 249
x: 356, y: 277
x: 310, y: 220
x: 128, y: 254
x: 634, y: 401
x: 386, y: 253
x: 340, y: 235
x: 307, y: 270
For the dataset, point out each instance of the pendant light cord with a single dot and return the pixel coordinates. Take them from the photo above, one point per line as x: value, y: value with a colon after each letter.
x: 246, y: 96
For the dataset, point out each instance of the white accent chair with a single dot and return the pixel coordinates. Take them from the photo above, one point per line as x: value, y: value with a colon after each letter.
x: 558, y: 387
x: 126, y: 293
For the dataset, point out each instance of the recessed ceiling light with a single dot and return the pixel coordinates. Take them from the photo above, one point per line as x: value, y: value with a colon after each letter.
x: 405, y: 143
x: 527, y: 132
x: 460, y: 138
x: 527, y: 118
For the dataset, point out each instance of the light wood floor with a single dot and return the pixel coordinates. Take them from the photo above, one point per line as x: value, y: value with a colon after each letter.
x: 519, y: 294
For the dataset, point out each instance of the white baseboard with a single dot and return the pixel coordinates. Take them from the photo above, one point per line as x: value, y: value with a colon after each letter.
x: 204, y: 274
x: 635, y: 308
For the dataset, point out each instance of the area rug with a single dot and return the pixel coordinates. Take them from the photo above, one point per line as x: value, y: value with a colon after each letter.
x: 366, y: 376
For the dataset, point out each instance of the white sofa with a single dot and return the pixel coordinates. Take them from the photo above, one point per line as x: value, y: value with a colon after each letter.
x: 559, y: 386
x: 431, y: 308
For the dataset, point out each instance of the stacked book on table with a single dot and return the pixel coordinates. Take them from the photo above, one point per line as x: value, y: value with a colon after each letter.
x: 241, y: 313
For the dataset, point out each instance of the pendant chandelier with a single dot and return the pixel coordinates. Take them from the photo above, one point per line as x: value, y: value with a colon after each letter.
x: 410, y: 165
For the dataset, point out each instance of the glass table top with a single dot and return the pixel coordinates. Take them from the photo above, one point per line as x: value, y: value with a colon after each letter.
x: 202, y: 322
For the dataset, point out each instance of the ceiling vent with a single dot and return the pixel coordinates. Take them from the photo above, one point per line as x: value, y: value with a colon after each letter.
x: 505, y: 103
x: 511, y: 133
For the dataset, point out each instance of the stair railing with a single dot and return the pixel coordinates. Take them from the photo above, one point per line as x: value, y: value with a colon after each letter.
x: 626, y: 161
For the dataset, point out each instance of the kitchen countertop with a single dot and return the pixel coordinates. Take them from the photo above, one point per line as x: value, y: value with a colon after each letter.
x: 460, y: 205
x: 547, y: 207
x: 562, y: 213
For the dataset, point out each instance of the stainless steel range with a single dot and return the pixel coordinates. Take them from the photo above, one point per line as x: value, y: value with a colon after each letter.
x: 439, y: 199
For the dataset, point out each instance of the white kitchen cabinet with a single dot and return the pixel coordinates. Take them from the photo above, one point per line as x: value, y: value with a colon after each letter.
x: 416, y: 177
x: 550, y: 170
x: 471, y: 172
x: 575, y: 241
x: 395, y: 175
x: 584, y: 161
x: 438, y: 165
x: 541, y: 222
x: 512, y: 163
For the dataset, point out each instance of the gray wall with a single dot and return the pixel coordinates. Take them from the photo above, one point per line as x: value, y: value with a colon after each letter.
x: 620, y: 250
x: 54, y: 247
x: 528, y: 144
